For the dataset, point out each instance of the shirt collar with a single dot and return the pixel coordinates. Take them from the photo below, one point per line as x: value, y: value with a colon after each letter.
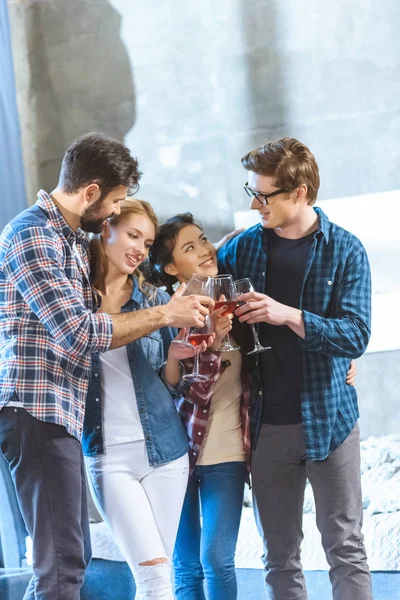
x: 323, y: 224
x: 45, y: 202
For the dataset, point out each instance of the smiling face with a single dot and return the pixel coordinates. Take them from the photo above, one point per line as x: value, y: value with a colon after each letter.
x: 193, y: 253
x: 101, y: 209
x: 282, y: 210
x: 127, y: 244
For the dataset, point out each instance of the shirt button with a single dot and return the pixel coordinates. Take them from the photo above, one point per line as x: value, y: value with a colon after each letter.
x: 329, y: 282
x: 97, y: 426
x: 199, y: 433
x: 97, y: 399
x: 96, y: 374
x: 263, y: 274
x: 194, y: 453
x: 260, y: 393
x: 204, y: 410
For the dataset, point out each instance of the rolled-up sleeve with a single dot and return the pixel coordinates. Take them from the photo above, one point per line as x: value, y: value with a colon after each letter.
x: 347, y: 332
x: 32, y: 264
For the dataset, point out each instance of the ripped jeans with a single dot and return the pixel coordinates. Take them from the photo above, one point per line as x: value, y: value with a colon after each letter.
x: 142, y: 507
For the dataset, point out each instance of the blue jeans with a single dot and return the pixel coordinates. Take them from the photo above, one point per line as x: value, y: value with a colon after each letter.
x: 208, y: 549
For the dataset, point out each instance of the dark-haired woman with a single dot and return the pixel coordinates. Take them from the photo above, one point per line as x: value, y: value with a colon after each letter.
x: 217, y: 420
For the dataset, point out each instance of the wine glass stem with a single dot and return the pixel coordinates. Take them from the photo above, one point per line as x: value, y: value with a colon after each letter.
x: 196, y: 364
x: 255, y: 336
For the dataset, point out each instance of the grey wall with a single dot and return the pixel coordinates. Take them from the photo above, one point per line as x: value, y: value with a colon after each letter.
x: 192, y: 86
x: 378, y: 389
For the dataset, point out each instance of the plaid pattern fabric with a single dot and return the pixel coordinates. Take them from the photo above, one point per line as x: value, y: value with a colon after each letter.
x: 194, y: 405
x: 336, y: 305
x: 47, y: 326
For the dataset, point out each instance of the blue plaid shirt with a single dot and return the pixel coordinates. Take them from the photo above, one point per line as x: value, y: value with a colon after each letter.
x: 47, y: 326
x: 336, y: 305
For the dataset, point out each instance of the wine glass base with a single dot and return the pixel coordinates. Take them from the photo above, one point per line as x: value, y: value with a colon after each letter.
x: 195, y: 378
x: 182, y: 343
x: 259, y: 349
x: 227, y: 348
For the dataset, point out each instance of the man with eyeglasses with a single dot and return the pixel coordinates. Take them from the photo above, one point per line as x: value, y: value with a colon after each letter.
x: 312, y: 304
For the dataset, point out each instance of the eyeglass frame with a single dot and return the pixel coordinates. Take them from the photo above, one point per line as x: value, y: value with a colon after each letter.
x: 251, y: 194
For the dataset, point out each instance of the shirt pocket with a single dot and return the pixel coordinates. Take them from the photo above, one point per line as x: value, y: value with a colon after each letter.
x: 152, y: 347
x: 319, y: 294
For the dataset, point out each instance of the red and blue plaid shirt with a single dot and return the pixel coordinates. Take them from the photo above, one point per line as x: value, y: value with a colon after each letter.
x: 194, y: 405
x: 48, y: 330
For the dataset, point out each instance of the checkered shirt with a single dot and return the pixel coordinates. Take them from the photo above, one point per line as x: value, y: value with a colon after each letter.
x: 194, y: 405
x: 47, y: 326
x: 336, y: 305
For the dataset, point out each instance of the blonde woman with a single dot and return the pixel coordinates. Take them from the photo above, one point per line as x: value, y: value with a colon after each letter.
x: 134, y: 441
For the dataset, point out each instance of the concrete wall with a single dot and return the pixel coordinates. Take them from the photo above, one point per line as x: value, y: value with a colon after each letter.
x: 192, y: 86
x: 378, y: 389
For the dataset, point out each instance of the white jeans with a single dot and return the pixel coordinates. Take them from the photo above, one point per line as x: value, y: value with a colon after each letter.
x: 142, y: 507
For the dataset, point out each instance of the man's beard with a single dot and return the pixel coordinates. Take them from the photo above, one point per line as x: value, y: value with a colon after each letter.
x: 90, y: 221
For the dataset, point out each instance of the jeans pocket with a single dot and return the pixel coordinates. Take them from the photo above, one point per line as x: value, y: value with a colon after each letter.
x: 9, y: 437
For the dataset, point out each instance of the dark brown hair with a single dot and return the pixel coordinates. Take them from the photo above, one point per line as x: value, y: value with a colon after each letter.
x: 289, y: 162
x: 97, y: 158
x: 161, y: 252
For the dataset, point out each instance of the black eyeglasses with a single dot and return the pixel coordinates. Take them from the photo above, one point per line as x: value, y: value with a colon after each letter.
x: 262, y: 198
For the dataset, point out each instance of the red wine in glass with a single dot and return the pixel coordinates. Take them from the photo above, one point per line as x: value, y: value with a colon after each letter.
x: 224, y: 286
x: 200, y: 285
x: 230, y: 307
x: 197, y: 338
x: 197, y: 335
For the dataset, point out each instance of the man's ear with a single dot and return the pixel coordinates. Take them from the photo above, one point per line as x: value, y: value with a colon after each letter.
x: 171, y: 270
x: 301, y: 192
x: 91, y: 193
x: 105, y: 230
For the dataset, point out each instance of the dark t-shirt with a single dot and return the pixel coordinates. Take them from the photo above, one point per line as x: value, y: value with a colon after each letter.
x: 280, y: 368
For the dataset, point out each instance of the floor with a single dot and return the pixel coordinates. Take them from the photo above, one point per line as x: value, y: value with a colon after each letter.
x: 103, y: 584
x: 386, y: 585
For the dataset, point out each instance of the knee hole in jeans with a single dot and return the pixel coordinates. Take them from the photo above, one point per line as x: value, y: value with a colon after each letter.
x: 153, y: 561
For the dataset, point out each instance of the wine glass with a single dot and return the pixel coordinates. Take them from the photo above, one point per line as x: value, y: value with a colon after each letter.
x: 199, y: 285
x: 224, y: 286
x: 195, y: 337
x: 244, y: 286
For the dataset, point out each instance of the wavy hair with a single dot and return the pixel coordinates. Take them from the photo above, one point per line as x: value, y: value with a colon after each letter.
x: 98, y: 257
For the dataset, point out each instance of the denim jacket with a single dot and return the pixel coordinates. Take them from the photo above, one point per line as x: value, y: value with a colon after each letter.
x: 164, y: 433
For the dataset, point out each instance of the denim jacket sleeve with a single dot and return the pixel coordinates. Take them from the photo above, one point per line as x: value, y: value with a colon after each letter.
x: 167, y: 335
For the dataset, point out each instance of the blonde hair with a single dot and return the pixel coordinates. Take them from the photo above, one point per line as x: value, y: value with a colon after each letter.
x: 98, y: 257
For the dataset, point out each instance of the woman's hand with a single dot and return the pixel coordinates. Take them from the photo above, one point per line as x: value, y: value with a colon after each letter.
x: 351, y: 373
x: 222, y: 325
x: 181, y: 351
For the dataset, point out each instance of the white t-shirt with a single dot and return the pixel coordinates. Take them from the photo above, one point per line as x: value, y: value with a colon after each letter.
x: 121, y: 421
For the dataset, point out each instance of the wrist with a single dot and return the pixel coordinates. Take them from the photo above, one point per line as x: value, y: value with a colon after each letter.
x: 163, y: 316
x: 293, y: 316
x: 295, y: 321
